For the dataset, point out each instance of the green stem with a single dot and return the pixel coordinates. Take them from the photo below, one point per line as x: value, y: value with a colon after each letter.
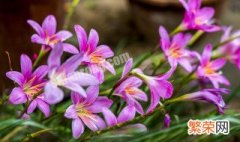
x: 40, y: 56
x: 177, y: 30
x: 33, y: 135
x: 74, y: 4
x: 12, y: 133
x: 195, y: 37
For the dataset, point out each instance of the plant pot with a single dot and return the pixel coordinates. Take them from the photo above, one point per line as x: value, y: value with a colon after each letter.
x: 148, y: 15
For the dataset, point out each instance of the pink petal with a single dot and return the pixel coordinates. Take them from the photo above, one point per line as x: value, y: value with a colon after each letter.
x: 218, y: 63
x: 206, y: 13
x: 16, y: 77
x: 140, y: 95
x: 63, y: 35
x: 76, y: 98
x: 138, y: 108
x: 17, y: 96
x: 44, y: 107
x: 127, y: 114
x: 93, y: 40
x: 76, y: 88
x: 71, y: 64
x: 82, y: 37
x: 165, y: 40
x: 37, y: 39
x: 71, y: 112
x: 41, y: 72
x: 70, y: 48
x: 49, y: 25
x: 185, y: 63
x: 77, y: 128
x: 100, y: 123
x: 32, y: 107
x: 206, y: 56
x: 54, y: 59
x: 109, y: 67
x: 26, y: 65
x: 184, y: 3
x: 52, y: 93
x: 97, y: 72
x: 127, y: 67
x: 92, y: 94
x: 83, y: 79
x: 36, y: 27
x: 90, y: 122
x: 104, y: 51
x: 109, y: 117
x: 99, y: 104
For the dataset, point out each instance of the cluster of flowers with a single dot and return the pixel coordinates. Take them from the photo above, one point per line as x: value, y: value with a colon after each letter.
x: 42, y: 87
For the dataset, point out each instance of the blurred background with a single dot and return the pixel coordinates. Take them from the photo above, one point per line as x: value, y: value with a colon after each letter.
x: 129, y: 25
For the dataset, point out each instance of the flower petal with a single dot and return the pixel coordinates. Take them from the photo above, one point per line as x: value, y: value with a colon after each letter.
x: 17, y: 96
x: 77, y: 128
x: 83, y: 79
x: 103, y: 51
x: 41, y: 72
x: 185, y: 63
x: 44, y: 107
x: 71, y: 64
x: 93, y: 40
x: 206, y: 56
x: 82, y: 38
x: 109, y: 117
x: 76, y: 98
x: 92, y: 94
x: 16, y: 77
x: 54, y: 59
x: 70, y: 112
x: 97, y: 72
x: 70, y: 48
x: 165, y: 40
x: 218, y: 63
x: 37, y: 39
x: 32, y: 107
x: 76, y: 88
x: 109, y: 67
x: 63, y: 35
x: 36, y: 27
x: 26, y: 66
x: 52, y: 93
x: 49, y: 25
x: 128, y: 113
x: 99, y: 104
x: 127, y: 67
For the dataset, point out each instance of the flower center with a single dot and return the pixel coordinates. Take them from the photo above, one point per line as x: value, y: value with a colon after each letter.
x: 58, y: 78
x: 31, y: 90
x: 96, y: 59
x: 175, y: 52
x: 130, y: 91
x: 208, y: 69
x: 82, y: 112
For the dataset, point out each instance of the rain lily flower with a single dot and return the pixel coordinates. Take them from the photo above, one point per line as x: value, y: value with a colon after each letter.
x: 127, y: 114
x: 65, y: 76
x: 158, y: 85
x: 175, y: 51
x: 167, y: 121
x: 94, y: 56
x: 231, y: 50
x: 84, y: 111
x: 198, y: 18
x: 30, y: 85
x: 209, y: 95
x: 129, y: 91
x: 47, y: 36
x: 209, y: 69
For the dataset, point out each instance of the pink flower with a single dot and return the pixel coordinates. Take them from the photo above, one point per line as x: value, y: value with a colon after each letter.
x: 65, y: 75
x: 167, y: 121
x: 158, y: 85
x: 209, y: 95
x: 29, y: 84
x: 47, y: 36
x: 94, y: 56
x: 209, y: 69
x: 84, y: 111
x: 176, y: 51
x: 198, y: 18
x: 231, y: 50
